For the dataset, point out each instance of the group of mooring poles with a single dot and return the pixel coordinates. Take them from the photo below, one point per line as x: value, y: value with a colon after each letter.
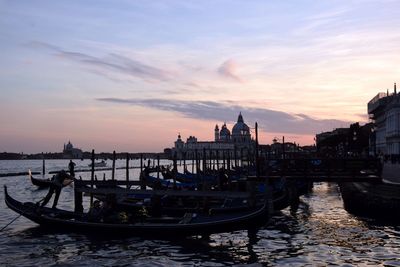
x: 93, y: 177
x: 212, y: 159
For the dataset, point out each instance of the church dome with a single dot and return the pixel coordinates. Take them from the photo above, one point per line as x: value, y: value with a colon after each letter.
x: 69, y: 146
x: 225, y: 130
x: 225, y: 134
x: 240, y: 128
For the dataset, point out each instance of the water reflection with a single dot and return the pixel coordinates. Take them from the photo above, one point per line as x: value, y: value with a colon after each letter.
x: 316, y: 232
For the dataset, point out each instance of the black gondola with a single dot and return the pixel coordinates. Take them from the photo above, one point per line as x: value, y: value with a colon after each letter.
x: 45, y: 183
x: 189, y: 224
x: 373, y: 200
x: 41, y: 183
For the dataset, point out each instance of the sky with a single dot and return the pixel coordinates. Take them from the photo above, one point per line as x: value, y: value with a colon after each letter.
x: 130, y: 75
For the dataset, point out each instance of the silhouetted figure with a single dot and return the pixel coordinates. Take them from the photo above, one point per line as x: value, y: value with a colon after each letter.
x: 96, y: 212
x: 110, y: 212
x: 71, y: 167
x: 222, y: 179
x: 57, y: 183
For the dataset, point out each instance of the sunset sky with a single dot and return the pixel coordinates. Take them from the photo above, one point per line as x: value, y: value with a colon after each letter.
x: 131, y: 75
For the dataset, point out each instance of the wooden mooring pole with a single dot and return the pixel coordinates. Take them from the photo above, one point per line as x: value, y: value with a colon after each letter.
x: 223, y: 160
x: 256, y: 156
x: 142, y: 175
x: 184, y: 161
x: 217, y: 151
x: 241, y: 157
x: 197, y: 164
x: 92, y: 179
x: 175, y: 170
x: 127, y: 170
x: 158, y: 166
x: 192, y: 162
x: 204, y: 160
x: 235, y: 155
x: 141, y: 162
x: 44, y: 166
x: 113, y: 166
x: 228, y: 160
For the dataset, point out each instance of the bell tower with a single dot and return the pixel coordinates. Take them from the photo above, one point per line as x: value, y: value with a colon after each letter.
x: 216, y: 133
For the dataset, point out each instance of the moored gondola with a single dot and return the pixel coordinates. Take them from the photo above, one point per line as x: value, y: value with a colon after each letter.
x: 45, y: 183
x: 41, y: 183
x: 188, y: 224
x: 374, y: 200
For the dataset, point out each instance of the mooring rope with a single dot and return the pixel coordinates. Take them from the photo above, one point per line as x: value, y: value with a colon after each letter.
x: 13, y: 220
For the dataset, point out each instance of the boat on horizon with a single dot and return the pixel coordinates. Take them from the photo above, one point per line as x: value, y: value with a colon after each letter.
x: 101, y: 163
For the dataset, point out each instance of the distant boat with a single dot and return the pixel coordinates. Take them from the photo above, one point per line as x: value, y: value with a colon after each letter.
x: 99, y: 164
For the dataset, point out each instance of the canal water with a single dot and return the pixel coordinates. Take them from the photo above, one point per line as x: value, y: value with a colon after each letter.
x: 318, y: 233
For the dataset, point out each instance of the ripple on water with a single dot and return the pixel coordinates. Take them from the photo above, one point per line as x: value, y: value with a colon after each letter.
x: 318, y: 233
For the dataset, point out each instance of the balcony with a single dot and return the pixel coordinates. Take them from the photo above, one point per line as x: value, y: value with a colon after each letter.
x: 377, y: 102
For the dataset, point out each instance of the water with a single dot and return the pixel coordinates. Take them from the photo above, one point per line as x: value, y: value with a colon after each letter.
x: 319, y: 233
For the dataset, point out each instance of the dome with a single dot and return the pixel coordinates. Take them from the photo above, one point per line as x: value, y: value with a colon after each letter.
x: 240, y: 128
x: 69, y: 146
x: 224, y: 134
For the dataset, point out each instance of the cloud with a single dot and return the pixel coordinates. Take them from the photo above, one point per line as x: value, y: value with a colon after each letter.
x: 111, y: 62
x: 228, y: 69
x: 268, y: 119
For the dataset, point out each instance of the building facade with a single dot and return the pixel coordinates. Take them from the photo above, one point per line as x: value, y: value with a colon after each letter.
x: 70, y: 151
x: 384, y: 112
x: 233, y: 144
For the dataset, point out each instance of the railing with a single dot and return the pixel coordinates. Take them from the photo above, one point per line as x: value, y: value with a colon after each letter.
x: 326, y: 169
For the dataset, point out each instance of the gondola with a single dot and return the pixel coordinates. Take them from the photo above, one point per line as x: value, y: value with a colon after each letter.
x: 41, y: 183
x: 280, y: 195
x: 186, y: 225
x: 373, y: 200
x: 194, y: 178
x: 159, y: 183
x: 211, y: 178
x: 45, y: 183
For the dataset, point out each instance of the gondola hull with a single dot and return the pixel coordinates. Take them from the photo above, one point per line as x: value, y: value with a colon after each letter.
x: 373, y: 200
x: 201, y: 224
x: 41, y: 183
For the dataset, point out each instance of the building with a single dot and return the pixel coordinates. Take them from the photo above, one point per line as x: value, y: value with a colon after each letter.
x: 70, y: 152
x: 384, y: 112
x: 350, y: 141
x: 238, y: 141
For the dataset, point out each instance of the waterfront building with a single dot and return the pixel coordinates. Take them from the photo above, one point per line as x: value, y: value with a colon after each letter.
x: 239, y: 141
x: 351, y: 141
x: 384, y: 112
x: 70, y: 151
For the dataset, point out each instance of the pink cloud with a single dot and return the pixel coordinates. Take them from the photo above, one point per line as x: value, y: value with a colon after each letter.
x: 228, y: 69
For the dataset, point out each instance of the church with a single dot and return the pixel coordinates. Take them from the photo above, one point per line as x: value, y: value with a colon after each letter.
x: 237, y: 141
x: 70, y: 151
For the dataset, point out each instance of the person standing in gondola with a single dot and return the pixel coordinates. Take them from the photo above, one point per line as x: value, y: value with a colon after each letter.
x: 71, y: 167
x: 58, y: 181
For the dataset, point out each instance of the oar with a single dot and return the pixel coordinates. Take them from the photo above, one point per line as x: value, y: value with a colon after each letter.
x: 13, y: 220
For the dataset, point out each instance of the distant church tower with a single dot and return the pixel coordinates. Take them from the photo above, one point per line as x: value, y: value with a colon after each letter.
x: 216, y: 133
